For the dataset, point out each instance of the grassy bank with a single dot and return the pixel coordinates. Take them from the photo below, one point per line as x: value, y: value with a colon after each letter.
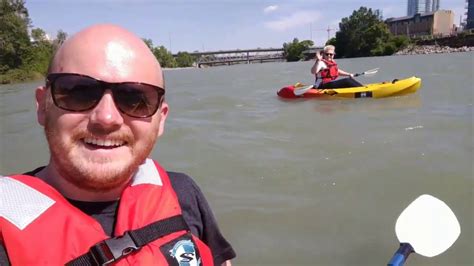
x: 463, y: 39
x: 19, y: 75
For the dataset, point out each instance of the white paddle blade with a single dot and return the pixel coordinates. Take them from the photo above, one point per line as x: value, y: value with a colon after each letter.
x: 302, y: 90
x: 429, y: 225
x: 368, y: 72
x: 371, y: 72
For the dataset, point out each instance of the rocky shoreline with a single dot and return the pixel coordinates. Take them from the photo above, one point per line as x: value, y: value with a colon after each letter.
x: 433, y: 49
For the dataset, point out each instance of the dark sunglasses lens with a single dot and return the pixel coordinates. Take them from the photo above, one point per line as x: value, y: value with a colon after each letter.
x: 76, y: 93
x: 138, y: 100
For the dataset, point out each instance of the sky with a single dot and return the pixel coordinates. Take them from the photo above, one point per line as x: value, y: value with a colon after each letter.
x: 214, y: 25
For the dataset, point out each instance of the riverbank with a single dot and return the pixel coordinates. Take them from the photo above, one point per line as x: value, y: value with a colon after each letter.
x: 433, y: 49
x: 19, y: 75
x: 177, y: 68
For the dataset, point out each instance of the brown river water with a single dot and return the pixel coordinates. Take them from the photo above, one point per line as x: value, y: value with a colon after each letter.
x: 307, y: 182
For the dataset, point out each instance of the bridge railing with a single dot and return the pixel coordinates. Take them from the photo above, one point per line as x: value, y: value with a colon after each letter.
x: 248, y: 55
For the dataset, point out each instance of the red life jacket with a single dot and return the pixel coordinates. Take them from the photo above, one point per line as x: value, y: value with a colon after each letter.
x: 38, y: 226
x: 330, y: 73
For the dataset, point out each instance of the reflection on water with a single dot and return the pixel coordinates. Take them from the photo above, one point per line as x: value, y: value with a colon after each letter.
x: 411, y: 101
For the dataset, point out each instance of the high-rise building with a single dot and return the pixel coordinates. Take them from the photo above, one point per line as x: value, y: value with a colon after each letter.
x: 470, y: 14
x: 467, y: 18
x: 413, y: 7
x: 422, y: 6
x: 434, y: 5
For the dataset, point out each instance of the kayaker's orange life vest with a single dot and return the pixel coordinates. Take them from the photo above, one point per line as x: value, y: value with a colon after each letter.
x: 38, y: 226
x: 330, y: 73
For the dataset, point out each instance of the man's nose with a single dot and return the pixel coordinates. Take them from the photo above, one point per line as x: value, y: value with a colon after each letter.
x: 106, y: 115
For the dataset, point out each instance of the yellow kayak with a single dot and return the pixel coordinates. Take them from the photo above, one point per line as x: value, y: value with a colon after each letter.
x: 374, y: 90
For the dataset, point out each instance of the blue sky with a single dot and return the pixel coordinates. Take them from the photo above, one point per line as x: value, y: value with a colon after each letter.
x: 211, y: 25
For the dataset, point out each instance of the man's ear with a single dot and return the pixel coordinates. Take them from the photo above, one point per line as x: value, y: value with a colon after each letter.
x: 41, y: 96
x: 163, y: 114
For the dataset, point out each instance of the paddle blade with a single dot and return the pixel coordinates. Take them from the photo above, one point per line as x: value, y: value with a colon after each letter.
x: 367, y: 73
x: 302, y: 90
x: 429, y: 225
x: 372, y: 71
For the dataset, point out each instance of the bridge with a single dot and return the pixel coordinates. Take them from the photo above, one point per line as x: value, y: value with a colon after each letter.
x: 230, y: 57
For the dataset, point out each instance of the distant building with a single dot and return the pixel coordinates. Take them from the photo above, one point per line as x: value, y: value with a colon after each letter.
x: 413, y: 7
x: 438, y: 23
x: 421, y: 6
x: 434, y: 5
x: 470, y: 14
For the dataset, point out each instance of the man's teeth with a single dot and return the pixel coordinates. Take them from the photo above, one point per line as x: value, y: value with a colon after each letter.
x: 105, y: 143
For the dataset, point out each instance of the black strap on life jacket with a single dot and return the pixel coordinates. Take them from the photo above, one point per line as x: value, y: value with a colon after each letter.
x: 112, y: 249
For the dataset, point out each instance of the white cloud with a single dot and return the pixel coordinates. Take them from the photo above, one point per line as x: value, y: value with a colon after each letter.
x: 299, y: 18
x: 270, y: 9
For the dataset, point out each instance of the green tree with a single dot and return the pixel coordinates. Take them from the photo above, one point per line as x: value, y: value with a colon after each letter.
x: 365, y: 34
x: 165, y: 57
x: 360, y: 33
x: 38, y: 35
x: 400, y: 41
x: 184, y: 59
x: 38, y: 55
x: 331, y: 41
x: 36, y: 59
x: 293, y: 51
x: 61, y: 37
x: 14, y: 38
x: 148, y: 43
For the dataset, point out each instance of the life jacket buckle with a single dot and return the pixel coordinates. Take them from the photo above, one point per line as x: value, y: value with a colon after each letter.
x: 112, y: 249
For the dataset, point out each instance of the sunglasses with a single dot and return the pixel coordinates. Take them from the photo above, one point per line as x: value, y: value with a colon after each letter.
x: 78, y: 93
x: 329, y: 54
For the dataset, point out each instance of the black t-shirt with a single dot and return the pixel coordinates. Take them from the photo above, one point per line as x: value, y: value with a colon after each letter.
x: 195, y: 208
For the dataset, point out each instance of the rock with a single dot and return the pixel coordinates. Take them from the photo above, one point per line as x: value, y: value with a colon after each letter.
x: 432, y: 49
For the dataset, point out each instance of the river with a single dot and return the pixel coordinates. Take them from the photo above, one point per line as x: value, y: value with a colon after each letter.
x: 307, y: 182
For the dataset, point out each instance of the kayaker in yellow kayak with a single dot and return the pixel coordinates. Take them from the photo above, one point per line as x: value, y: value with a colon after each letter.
x: 326, y: 71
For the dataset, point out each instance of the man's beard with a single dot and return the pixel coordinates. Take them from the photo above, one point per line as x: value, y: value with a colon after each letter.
x: 87, y: 173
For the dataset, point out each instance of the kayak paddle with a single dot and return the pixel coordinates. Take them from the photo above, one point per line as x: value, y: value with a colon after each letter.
x: 303, y: 90
x: 368, y: 72
x: 427, y: 226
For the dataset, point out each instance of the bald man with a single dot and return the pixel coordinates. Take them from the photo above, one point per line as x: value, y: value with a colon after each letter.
x: 101, y: 199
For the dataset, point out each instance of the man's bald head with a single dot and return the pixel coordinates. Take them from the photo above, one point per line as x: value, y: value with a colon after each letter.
x: 110, y: 53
